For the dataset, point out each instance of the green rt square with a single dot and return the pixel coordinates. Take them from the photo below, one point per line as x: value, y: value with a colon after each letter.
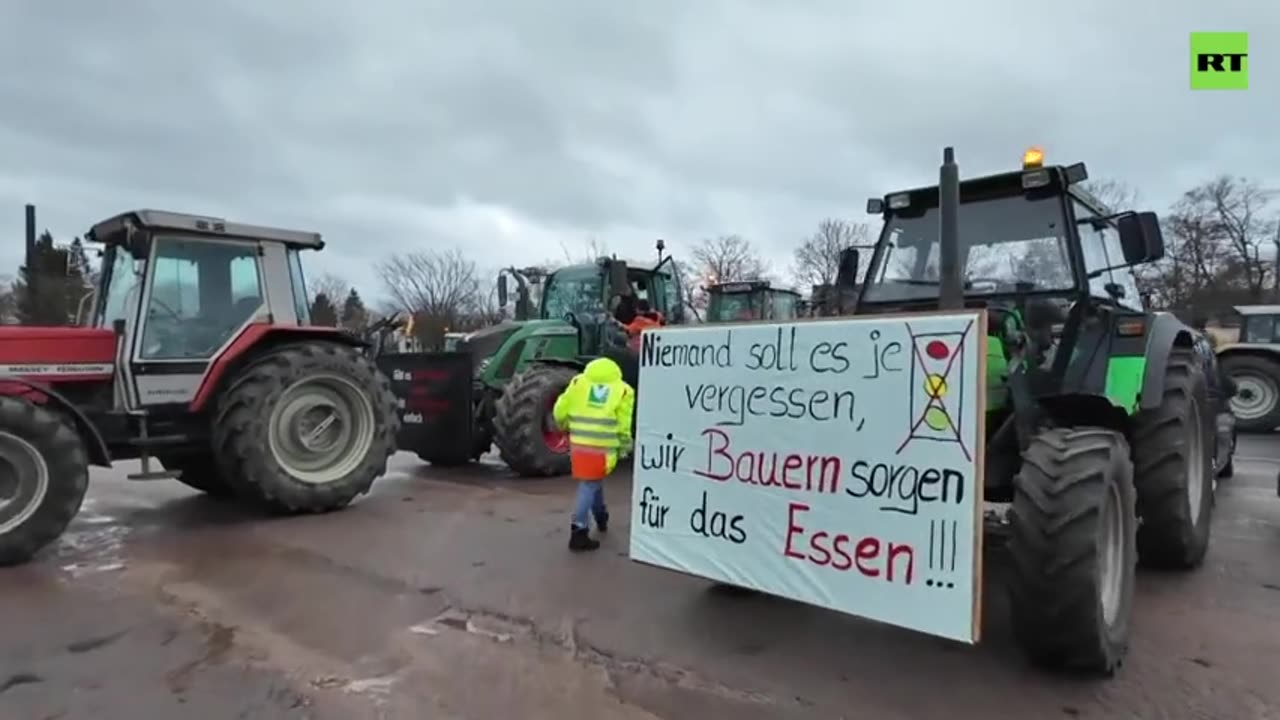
x: 1219, y: 61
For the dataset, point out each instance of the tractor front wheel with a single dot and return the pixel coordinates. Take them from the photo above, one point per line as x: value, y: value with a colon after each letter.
x: 307, y: 427
x: 1256, y: 403
x: 1072, y: 528
x: 1173, y: 469
x: 524, y: 432
x: 44, y: 473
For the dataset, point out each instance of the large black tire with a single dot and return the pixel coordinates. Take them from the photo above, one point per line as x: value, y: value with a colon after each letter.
x: 1071, y: 538
x: 520, y: 417
x: 199, y: 472
x: 1257, y: 402
x: 1173, y: 469
x: 44, y: 472
x: 260, y: 450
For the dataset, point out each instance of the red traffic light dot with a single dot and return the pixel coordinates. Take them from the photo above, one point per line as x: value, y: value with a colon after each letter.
x: 937, y: 350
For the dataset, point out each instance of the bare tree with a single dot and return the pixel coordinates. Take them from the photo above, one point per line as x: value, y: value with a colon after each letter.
x: 440, y: 287
x: 8, y: 301
x: 727, y: 258
x: 330, y: 285
x: 1115, y: 195
x: 591, y: 250
x: 817, y: 259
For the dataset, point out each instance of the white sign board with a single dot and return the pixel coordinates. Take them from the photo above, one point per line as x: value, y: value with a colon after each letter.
x: 832, y: 462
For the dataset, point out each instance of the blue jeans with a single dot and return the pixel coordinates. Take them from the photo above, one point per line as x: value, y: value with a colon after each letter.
x: 590, y: 501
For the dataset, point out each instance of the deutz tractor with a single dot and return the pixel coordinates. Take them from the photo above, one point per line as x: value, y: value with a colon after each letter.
x: 751, y: 300
x: 521, y: 366
x: 1101, y: 427
x: 200, y: 354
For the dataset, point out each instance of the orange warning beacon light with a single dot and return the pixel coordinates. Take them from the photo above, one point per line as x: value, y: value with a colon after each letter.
x: 1033, y: 158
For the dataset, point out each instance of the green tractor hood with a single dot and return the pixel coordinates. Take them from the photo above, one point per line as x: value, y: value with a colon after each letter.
x: 500, y: 350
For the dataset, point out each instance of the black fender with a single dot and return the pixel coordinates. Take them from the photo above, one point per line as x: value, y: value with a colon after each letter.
x: 1084, y: 409
x: 94, y: 444
x: 1164, y: 332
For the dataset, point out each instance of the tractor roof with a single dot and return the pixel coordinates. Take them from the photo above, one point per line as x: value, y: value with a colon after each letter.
x: 1257, y: 309
x: 632, y: 264
x: 113, y: 230
x: 746, y: 286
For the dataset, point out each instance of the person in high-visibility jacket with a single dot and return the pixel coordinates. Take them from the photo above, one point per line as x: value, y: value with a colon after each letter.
x: 596, y: 408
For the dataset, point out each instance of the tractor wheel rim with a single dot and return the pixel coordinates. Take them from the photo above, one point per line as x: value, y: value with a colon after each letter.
x: 321, y: 429
x: 1256, y: 396
x: 1195, y: 464
x: 557, y: 440
x: 1113, y: 546
x: 24, y: 481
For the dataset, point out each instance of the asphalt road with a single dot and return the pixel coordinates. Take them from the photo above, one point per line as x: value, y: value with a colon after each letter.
x: 449, y: 595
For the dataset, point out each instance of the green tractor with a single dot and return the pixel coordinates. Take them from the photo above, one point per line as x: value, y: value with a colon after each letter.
x: 519, y: 367
x: 1102, y: 440
x: 751, y: 300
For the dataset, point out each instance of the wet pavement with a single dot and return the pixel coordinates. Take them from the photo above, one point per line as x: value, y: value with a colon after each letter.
x: 450, y: 595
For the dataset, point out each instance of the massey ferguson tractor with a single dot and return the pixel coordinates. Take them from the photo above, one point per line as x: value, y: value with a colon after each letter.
x: 199, y: 354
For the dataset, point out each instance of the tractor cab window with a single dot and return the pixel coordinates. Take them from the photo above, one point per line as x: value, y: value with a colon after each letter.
x: 784, y: 306
x: 1260, y: 329
x: 735, y: 306
x: 672, y: 296
x: 1007, y: 244
x: 121, y: 286
x: 298, y: 281
x: 1109, y: 277
x: 202, y: 292
x: 580, y: 292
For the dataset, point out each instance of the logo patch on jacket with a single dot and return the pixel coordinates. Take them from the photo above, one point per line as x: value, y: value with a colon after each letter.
x: 599, y: 395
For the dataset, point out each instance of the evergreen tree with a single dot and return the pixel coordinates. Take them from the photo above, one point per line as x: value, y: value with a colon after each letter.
x: 354, y: 315
x: 50, y: 290
x: 323, y: 312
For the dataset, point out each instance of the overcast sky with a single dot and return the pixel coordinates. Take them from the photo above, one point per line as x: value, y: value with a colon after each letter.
x: 511, y: 126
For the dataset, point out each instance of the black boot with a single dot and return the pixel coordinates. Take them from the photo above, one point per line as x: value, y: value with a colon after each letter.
x: 580, y: 540
x: 602, y: 521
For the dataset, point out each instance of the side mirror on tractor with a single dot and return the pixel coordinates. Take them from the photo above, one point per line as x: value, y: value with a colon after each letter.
x: 1140, y: 238
x: 502, y: 291
x: 847, y: 271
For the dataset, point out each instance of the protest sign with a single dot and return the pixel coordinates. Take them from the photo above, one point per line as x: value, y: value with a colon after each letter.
x: 834, y: 462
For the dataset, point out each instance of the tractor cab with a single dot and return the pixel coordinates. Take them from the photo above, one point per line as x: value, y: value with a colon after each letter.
x: 753, y: 300
x: 1036, y: 250
x: 179, y: 289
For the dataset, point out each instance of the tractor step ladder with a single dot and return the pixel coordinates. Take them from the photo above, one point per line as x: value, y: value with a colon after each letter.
x: 144, y: 443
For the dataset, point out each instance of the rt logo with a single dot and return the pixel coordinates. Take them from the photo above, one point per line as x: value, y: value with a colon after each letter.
x: 1219, y: 61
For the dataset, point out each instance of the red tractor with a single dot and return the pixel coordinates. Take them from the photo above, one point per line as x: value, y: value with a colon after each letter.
x: 199, y: 353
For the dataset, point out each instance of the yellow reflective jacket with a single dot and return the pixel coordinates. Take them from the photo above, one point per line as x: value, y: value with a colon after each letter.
x: 596, y: 408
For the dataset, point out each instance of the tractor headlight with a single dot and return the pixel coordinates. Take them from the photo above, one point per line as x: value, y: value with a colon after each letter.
x: 482, y: 365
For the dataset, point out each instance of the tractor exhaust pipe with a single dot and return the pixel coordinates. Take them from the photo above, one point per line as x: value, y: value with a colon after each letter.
x: 951, y: 291
x: 32, y: 274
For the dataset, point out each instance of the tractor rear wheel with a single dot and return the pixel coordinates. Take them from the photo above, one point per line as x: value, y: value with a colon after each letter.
x: 1072, y: 527
x: 524, y: 432
x: 199, y: 472
x: 306, y: 428
x: 1173, y: 469
x: 1256, y: 403
x: 44, y: 473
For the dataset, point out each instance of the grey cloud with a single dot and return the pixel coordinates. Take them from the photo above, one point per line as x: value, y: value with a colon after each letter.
x: 395, y: 124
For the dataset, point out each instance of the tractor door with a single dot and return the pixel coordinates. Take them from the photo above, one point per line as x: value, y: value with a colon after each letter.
x: 198, y: 295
